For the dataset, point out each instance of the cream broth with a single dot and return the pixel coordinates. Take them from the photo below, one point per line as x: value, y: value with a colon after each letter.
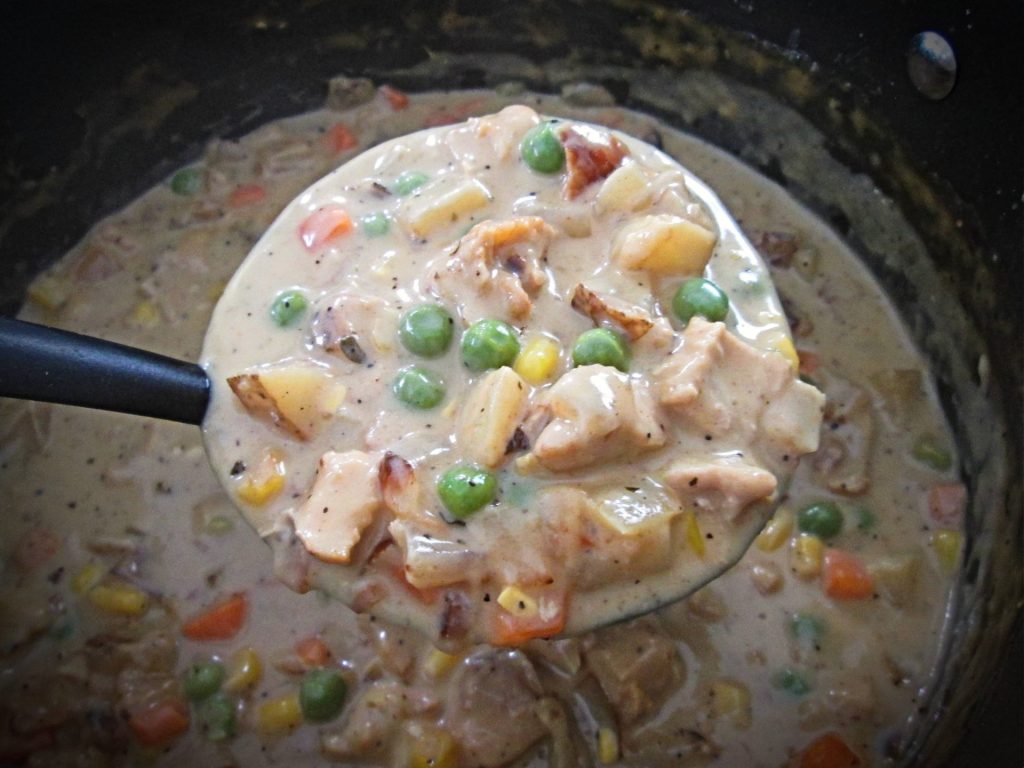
x: 117, y: 537
x: 602, y: 473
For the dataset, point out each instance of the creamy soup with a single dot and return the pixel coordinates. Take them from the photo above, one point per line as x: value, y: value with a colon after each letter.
x: 143, y: 622
x: 500, y: 434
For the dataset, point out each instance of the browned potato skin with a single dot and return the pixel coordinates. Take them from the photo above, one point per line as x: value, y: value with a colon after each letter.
x: 257, y: 400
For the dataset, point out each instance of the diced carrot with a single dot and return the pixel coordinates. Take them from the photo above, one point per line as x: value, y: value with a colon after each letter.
x: 845, y: 577
x: 219, y: 622
x: 339, y: 138
x: 160, y: 723
x: 313, y: 652
x: 246, y: 194
x: 946, y: 503
x: 37, y: 546
x: 828, y: 751
x: 323, y: 225
x: 511, y: 629
x: 395, y: 97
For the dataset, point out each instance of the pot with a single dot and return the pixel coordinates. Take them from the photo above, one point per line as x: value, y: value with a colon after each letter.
x: 102, y: 100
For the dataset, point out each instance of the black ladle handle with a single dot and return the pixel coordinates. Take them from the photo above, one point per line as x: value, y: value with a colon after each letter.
x: 54, y: 366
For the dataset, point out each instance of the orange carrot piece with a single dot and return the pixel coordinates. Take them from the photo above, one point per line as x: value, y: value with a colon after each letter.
x: 323, y: 225
x: 396, y: 98
x: 246, y: 194
x: 160, y: 723
x: 829, y: 751
x: 339, y: 138
x: 809, y: 361
x: 313, y: 652
x: 508, y: 629
x: 946, y: 504
x: 219, y: 622
x: 845, y: 577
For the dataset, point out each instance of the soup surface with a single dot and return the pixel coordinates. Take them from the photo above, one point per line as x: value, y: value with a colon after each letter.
x: 474, y: 413
x: 143, y: 622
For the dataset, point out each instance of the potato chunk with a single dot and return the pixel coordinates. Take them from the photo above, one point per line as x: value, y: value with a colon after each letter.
x: 664, y: 244
x: 492, y: 411
x: 341, y: 507
x: 626, y: 189
x: 437, y: 208
x: 297, y: 398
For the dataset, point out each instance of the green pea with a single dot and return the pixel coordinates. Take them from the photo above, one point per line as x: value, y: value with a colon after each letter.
x: 807, y: 628
x: 217, y: 717
x: 822, y: 518
x: 408, y: 182
x: 928, y: 451
x: 465, y: 488
x: 375, y: 224
x: 287, y: 307
x: 698, y: 296
x: 489, y: 344
x: 322, y: 695
x: 541, y: 149
x: 600, y: 346
x: 426, y: 330
x: 418, y: 388
x: 866, y: 519
x: 203, y: 679
x: 792, y: 681
x: 187, y: 181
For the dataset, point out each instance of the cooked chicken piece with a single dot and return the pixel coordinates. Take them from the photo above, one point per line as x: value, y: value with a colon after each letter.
x: 637, y: 665
x: 402, y: 494
x: 634, y: 321
x: 492, y: 707
x: 495, y: 270
x: 590, y: 155
x: 721, y: 385
x: 343, y: 504
x: 493, y: 409
x: 844, y: 459
x: 430, y: 560
x: 345, y: 326
x: 372, y: 721
x: 725, y: 486
x: 597, y: 413
x: 490, y: 139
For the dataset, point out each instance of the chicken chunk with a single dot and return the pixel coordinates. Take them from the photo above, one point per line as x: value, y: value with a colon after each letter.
x: 342, y: 506
x: 720, y: 385
x: 596, y: 414
x: 492, y: 707
x: 726, y: 486
x: 634, y: 321
x: 495, y: 269
x: 491, y: 139
x: 590, y: 155
x: 347, y: 325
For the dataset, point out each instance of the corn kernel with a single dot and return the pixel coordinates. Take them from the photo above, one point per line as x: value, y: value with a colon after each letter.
x: 280, y: 714
x: 87, y: 578
x: 607, y: 746
x: 805, y: 557
x: 947, y: 548
x: 244, y: 670
x: 693, y: 535
x: 263, y: 484
x: 784, y: 347
x: 49, y: 292
x: 432, y: 748
x: 517, y: 602
x: 144, y: 315
x: 538, y: 360
x: 776, y: 531
x: 438, y: 662
x: 732, y: 700
x: 119, y: 598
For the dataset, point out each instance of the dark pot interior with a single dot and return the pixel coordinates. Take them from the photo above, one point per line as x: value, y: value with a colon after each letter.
x: 101, y: 100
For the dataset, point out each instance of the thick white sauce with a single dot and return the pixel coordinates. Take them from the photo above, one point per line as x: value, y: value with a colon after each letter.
x: 137, y: 498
